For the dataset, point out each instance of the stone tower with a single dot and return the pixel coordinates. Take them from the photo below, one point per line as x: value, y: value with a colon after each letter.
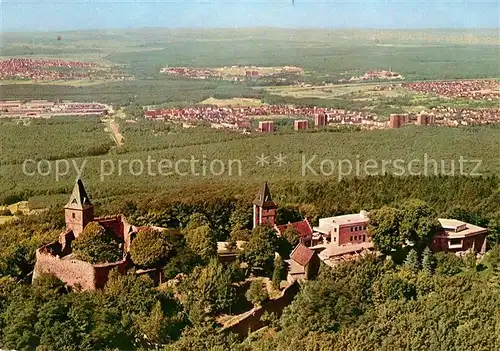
x: 264, y: 208
x: 79, y: 211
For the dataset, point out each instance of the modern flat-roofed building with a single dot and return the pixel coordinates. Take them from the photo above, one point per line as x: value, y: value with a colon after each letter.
x: 266, y: 126
x: 455, y: 236
x: 320, y: 120
x: 301, y: 124
x: 397, y: 120
x: 344, y: 237
x: 345, y: 229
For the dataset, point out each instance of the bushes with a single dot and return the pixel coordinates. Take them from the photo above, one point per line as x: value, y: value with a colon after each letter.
x: 5, y: 212
x: 150, y: 248
x: 448, y: 263
x: 257, y: 292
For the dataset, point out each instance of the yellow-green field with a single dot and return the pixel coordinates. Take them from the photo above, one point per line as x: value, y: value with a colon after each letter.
x: 71, y: 83
x: 365, y: 91
x: 241, y: 71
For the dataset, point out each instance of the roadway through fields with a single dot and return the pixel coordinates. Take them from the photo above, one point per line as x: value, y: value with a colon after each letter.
x: 113, y: 128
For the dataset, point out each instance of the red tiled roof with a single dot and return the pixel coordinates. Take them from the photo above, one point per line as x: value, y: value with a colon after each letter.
x: 303, y: 228
x: 302, y: 255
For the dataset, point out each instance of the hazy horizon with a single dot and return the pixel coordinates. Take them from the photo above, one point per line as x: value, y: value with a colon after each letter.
x: 76, y: 15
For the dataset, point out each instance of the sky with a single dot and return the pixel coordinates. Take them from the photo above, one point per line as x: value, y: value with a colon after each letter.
x: 59, y: 15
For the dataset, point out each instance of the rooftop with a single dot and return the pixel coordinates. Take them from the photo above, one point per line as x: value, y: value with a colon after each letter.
x: 263, y: 197
x: 79, y: 198
x: 356, y: 218
x: 301, y: 255
x: 459, y: 229
x: 303, y: 227
x: 332, y: 250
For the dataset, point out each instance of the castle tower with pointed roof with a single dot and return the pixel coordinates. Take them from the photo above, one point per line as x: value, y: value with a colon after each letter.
x: 79, y: 211
x: 264, y: 208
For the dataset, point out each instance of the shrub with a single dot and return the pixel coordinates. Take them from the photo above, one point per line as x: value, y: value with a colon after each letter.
x: 150, y: 248
x: 257, y: 293
x: 97, y: 245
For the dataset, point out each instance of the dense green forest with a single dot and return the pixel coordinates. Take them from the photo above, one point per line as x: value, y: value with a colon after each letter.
x: 158, y: 90
x: 422, y: 301
x: 52, y: 139
x: 371, y: 305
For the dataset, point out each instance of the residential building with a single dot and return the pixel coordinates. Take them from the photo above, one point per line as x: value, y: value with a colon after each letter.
x: 266, y: 126
x: 320, y: 119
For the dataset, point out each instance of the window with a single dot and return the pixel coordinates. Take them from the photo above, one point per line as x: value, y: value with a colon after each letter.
x: 364, y: 237
x: 350, y: 238
x: 335, y: 230
x: 334, y: 239
x: 455, y: 241
x: 355, y: 237
x: 73, y: 215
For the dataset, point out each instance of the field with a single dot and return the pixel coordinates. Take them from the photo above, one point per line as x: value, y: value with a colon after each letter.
x: 357, y: 92
x: 21, y: 206
x: 232, y: 102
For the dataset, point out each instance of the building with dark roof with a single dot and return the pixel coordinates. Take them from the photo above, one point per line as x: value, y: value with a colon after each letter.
x: 303, y: 228
x: 264, y: 208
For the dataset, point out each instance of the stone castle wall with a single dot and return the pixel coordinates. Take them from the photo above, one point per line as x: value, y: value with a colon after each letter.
x: 74, y: 272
